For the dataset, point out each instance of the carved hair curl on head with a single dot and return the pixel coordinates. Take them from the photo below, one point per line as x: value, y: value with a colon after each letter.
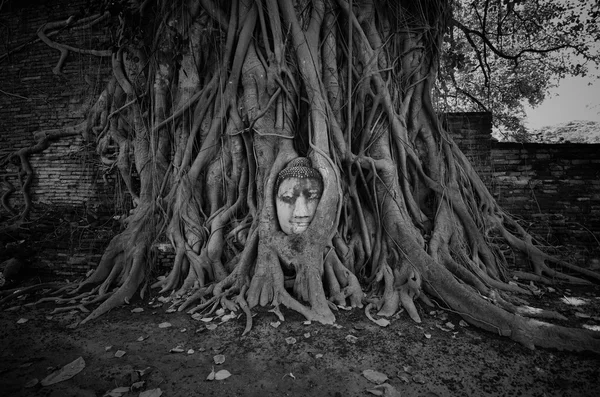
x: 300, y: 167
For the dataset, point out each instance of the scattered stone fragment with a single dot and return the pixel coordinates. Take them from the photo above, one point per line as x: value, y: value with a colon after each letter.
x: 219, y: 359
x: 222, y: 374
x: 374, y: 376
x: 228, y: 317
x: 66, y: 372
x: 275, y: 324
x: 418, y: 379
x: 151, y: 393
x: 351, y: 339
x: 164, y: 325
x: 385, y: 390
x: 137, y: 385
x: 118, y: 392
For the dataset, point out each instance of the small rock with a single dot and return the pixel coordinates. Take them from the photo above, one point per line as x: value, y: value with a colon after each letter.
x: 419, y: 379
x: 374, y: 376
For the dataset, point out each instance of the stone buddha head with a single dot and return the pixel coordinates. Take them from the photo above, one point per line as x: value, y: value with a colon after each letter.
x: 298, y: 191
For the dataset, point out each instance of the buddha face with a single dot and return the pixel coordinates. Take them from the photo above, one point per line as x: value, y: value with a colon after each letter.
x: 296, y: 202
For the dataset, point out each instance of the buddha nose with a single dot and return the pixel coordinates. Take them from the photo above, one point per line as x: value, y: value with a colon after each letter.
x: 301, y: 208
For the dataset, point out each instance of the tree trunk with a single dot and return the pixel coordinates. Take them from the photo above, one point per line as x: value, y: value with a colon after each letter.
x: 211, y: 100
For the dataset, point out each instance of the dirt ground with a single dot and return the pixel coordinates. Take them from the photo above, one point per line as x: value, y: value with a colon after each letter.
x: 427, y: 359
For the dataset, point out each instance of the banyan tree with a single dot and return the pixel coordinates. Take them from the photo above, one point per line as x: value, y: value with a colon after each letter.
x: 224, y: 116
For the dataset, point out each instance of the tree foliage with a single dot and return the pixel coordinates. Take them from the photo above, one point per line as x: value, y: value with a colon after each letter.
x: 209, y: 101
x: 499, y: 55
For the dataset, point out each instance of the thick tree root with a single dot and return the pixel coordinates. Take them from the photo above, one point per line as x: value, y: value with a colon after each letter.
x: 485, y: 315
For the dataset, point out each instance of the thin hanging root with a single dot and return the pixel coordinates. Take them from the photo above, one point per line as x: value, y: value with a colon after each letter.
x: 409, y: 305
x: 277, y: 311
x: 15, y: 293
x: 311, y: 315
x: 525, y: 310
x: 536, y: 256
x: 532, y: 277
x: 195, y: 297
x: 532, y: 312
x: 71, y: 286
x: 351, y: 286
x: 228, y: 304
x: 48, y: 299
x: 79, y: 307
x: 58, y: 300
x: 125, y: 291
x: 241, y: 301
x: 425, y: 299
x: 409, y: 291
x: 391, y: 298
x: 213, y: 300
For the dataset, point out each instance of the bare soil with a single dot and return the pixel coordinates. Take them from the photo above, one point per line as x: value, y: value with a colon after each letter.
x: 427, y: 359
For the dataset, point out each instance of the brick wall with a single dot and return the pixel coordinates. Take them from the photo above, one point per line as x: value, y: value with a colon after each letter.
x: 68, y: 182
x: 33, y: 98
x: 472, y: 132
x: 553, y: 189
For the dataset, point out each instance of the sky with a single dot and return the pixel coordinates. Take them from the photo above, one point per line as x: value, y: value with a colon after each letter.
x: 572, y: 100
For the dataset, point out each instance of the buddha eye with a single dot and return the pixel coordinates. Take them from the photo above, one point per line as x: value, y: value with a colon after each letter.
x: 314, y: 195
x: 287, y: 199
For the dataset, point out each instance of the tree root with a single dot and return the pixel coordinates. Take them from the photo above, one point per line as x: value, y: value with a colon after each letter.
x: 484, y: 314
